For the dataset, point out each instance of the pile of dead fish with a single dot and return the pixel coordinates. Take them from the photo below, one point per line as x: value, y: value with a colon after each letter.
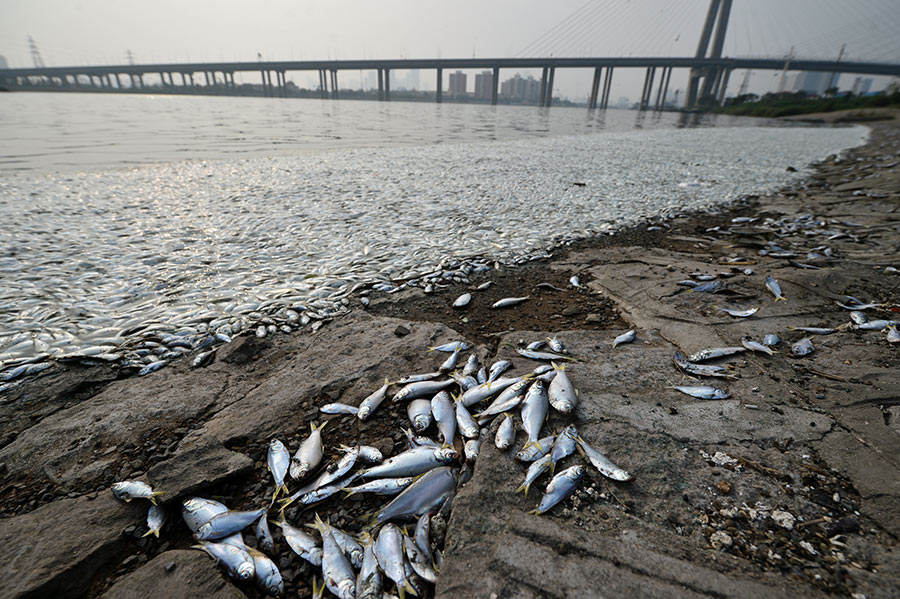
x: 462, y: 398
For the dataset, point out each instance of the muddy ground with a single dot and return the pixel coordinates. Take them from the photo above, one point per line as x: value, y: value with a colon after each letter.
x: 791, y: 486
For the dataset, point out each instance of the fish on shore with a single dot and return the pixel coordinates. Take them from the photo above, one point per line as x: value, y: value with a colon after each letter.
x: 310, y: 453
x: 462, y: 301
x: 627, y: 337
x: 738, y: 313
x: 773, y: 286
x: 134, y: 489
x: 560, y: 487
x: 507, y: 302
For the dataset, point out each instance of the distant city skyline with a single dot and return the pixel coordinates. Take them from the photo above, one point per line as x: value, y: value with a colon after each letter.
x: 120, y: 31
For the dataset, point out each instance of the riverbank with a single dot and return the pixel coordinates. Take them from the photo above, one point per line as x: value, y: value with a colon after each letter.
x: 815, y: 438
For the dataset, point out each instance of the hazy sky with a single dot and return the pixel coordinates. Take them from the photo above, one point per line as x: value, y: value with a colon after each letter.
x: 76, y: 32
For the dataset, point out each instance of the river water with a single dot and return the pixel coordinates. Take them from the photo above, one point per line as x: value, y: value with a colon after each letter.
x: 129, y: 218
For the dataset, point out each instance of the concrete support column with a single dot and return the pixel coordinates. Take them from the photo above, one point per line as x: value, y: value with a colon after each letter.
x: 334, y: 84
x: 607, y: 87
x: 118, y: 81
x: 387, y: 85
x: 549, y: 101
x: 495, y: 86
x: 595, y: 86
x: 659, y: 90
x: 543, y: 95
x: 440, y: 84
x: 724, y: 86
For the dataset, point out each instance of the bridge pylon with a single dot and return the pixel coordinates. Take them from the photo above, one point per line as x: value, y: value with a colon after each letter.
x: 703, y: 80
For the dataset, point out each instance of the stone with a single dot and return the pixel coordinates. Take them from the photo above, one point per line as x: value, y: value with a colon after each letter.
x: 177, y: 573
x: 195, y: 468
x: 401, y: 331
x: 243, y: 350
x: 56, y: 549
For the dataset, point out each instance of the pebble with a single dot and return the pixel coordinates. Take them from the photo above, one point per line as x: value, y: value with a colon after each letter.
x: 783, y: 519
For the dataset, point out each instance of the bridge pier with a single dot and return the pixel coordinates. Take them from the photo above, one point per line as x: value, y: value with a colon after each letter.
x: 647, y: 90
x: 607, y: 87
x: 440, y: 85
x: 595, y: 86
x: 723, y: 86
x: 334, y: 85
x: 380, y: 85
x: 387, y: 85
x: 543, y: 93
x: 495, y: 86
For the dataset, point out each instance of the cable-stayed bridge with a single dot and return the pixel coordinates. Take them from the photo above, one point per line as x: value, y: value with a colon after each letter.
x: 708, y: 68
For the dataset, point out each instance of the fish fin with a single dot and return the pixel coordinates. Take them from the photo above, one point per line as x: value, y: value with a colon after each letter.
x: 318, y: 591
x: 313, y: 428
x: 349, y: 492
x: 534, y: 512
x: 780, y: 299
x: 154, y: 495
x: 409, y: 588
x: 557, y: 366
x: 524, y: 487
x: 552, y: 467
x: 200, y: 547
x: 151, y: 532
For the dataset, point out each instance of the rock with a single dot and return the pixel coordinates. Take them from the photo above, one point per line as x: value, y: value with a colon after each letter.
x: 179, y: 573
x: 243, y: 350
x: 401, y: 331
x: 843, y: 526
x: 595, y: 319
x: 720, y: 540
x: 195, y: 468
x: 723, y: 487
x: 56, y: 549
x: 571, y: 311
x: 783, y: 519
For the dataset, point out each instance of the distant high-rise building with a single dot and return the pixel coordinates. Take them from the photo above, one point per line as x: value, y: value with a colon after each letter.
x: 484, y: 85
x: 3, y: 64
x: 457, y: 83
x: 521, y: 89
x: 814, y: 82
x: 412, y: 79
x: 861, y: 85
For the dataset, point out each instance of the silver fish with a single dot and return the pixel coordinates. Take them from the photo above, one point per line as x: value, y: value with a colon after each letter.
x: 482, y: 392
x: 351, y: 548
x: 301, y: 543
x: 339, y: 408
x: 320, y: 493
x: 227, y: 523
x: 893, y: 335
x: 412, y: 462
x: 203, y: 358
x: 419, y: 441
x: 771, y: 340
x: 450, y: 363
x: 698, y: 369
x: 556, y: 345
x: 427, y: 494
x: 530, y: 453
x: 537, y: 468
x: 716, y: 352
x: 627, y: 337
x: 462, y: 301
x: 859, y: 317
x: 152, y: 367
x: 473, y: 446
x: 419, y: 413
x: 574, y: 281
x: 506, y: 433
x: 278, y: 460
x: 367, y: 453
x: 508, y: 399
x: 368, y: 405
x: 336, y: 568
x: 266, y: 574
x: 542, y: 355
x: 534, y: 411
x: 859, y: 306
x: 382, y: 486
x: 156, y: 518
x: 368, y: 581
x: 389, y: 552
x: 536, y: 345
x: 773, y: 286
x: 701, y: 391
x: 264, y: 538
x: 875, y: 325
x: 197, y: 511
x: 472, y: 365
x: 464, y: 421
x: 561, y: 394
x: 423, y: 535
x: 804, y: 347
x: 445, y: 416
x: 560, y: 487
x: 484, y: 286
x: 330, y: 474
x: 419, y: 562
x: 602, y: 463
x: 507, y: 302
x: 481, y: 377
x: 498, y: 368
x: 814, y: 330
x: 710, y: 287
x: 451, y: 347
x: 421, y: 389
x: 756, y: 346
x: 309, y: 455
x: 739, y: 313
x: 134, y: 489
x: 235, y: 560
x: 564, y: 446
x: 418, y: 378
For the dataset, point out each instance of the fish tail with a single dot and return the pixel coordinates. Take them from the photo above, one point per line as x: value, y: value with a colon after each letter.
x: 315, y: 428
x: 524, y: 487
x: 318, y: 591
x: 409, y: 588
x: 781, y: 299
x: 534, y: 512
x: 349, y: 492
x: 151, y: 532
x: 154, y: 495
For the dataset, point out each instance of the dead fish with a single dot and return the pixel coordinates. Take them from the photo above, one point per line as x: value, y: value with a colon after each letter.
x: 771, y: 340
x: 738, y: 313
x: 814, y: 330
x: 197, y: 511
x: 508, y: 399
x: 537, y: 468
x: 506, y: 433
x: 309, y: 455
x: 560, y: 487
x: 756, y: 346
x: 367, y: 454
x: 451, y: 347
x: 134, y: 489
x: 564, y: 446
x: 156, y: 518
x: 472, y: 365
x: 486, y: 390
x: 859, y: 317
x: 266, y: 574
x: 556, y: 345
x: 574, y: 281
x: 368, y: 581
x: 444, y: 413
x: 859, y: 306
x: 531, y: 452
x: 368, y: 405
x: 484, y: 286
x: 464, y: 421
x: 804, y: 347
x: 278, y: 459
x: 389, y: 553
x: 236, y: 560
x: 701, y: 391
x: 506, y: 302
x: 534, y: 411
x: 419, y: 413
x: 450, y: 362
x: 264, y: 538
x: 473, y: 446
x: 875, y: 325
x: 715, y: 352
x: 710, y: 287
x: 152, y: 367
x: 602, y: 463
x: 203, y: 359
x: 627, y: 337
x: 336, y: 568
x: 560, y: 393
x: 227, y: 523
x: 689, y: 367
x: 427, y: 494
x: 412, y: 462
x: 463, y: 300
x: 418, y: 378
x: 421, y: 389
x: 382, y: 486
x: 893, y: 335
x: 423, y: 535
x: 301, y: 543
x: 339, y: 408
x: 773, y: 286
x: 540, y: 355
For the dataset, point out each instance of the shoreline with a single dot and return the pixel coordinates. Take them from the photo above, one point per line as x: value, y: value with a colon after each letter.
x: 206, y: 430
